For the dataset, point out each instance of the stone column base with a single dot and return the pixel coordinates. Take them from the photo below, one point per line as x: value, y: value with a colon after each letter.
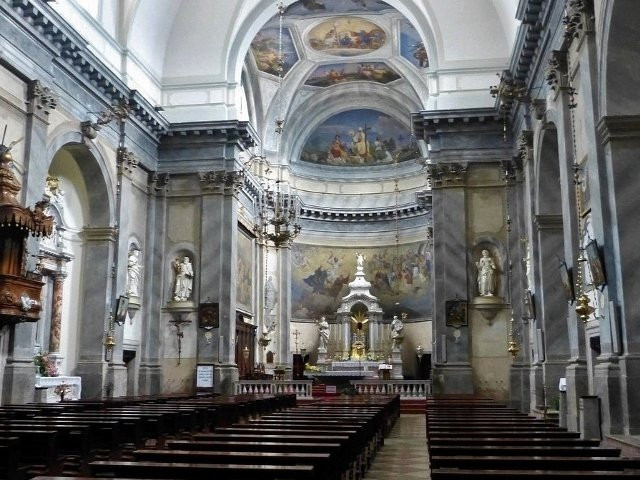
x: 116, y: 377
x: 519, y: 387
x: 577, y: 386
x: 150, y: 379
x: 93, y: 375
x: 19, y: 382
x: 606, y: 385
x: 225, y: 375
x: 455, y: 379
x: 630, y: 376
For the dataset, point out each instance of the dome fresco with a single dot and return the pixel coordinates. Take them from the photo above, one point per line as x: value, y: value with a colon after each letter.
x: 335, y: 73
x: 319, y: 7
x: 265, y: 50
x: 411, y: 45
x: 346, y: 36
x: 359, y: 137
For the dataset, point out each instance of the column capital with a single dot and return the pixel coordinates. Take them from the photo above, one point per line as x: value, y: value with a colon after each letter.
x: 126, y: 160
x: 441, y: 175
x: 579, y: 19
x: 41, y: 99
x: 222, y: 181
x: 556, y: 72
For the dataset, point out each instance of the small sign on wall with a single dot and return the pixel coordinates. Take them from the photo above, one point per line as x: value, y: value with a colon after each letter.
x: 204, y: 376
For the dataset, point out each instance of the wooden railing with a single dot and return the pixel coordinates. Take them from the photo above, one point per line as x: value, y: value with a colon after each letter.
x: 405, y: 388
x: 302, y: 388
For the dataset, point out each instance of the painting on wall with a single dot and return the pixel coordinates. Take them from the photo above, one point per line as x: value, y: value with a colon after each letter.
x: 320, y: 278
x: 315, y: 7
x: 346, y: 36
x: 360, y: 137
x: 335, y: 73
x: 244, y: 273
x: 411, y: 45
x: 264, y: 48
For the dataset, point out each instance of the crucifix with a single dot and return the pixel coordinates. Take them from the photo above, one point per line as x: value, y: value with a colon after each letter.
x: 296, y: 334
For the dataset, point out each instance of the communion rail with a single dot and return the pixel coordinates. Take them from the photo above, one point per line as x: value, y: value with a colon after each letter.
x: 302, y: 388
x: 407, y: 389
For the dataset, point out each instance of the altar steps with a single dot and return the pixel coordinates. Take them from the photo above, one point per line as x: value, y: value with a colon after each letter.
x: 412, y: 407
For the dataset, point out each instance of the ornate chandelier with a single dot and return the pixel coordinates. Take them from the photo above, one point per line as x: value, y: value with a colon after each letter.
x: 280, y: 209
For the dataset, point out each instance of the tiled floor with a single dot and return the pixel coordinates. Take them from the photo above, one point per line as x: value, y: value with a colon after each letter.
x: 404, y: 455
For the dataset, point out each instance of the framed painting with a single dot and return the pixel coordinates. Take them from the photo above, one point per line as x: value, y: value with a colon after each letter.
x: 456, y: 313
x: 208, y: 316
x: 598, y: 277
x: 567, y: 282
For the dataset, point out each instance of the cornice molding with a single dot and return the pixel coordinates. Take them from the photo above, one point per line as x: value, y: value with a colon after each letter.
x: 367, y: 215
x: 618, y: 127
x: 428, y: 122
x: 74, y: 56
x: 240, y: 133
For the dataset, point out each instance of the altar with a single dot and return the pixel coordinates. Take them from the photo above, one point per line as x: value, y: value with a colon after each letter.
x: 47, y: 386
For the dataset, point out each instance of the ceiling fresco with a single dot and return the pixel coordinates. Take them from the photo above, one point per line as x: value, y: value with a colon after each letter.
x: 346, y: 36
x: 335, y: 73
x: 411, y: 45
x: 265, y: 50
x: 360, y: 137
x: 315, y: 7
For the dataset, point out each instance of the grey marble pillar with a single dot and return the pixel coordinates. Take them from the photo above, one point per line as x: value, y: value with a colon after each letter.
x: 621, y: 138
x: 19, y: 375
x: 219, y: 236
x: 150, y: 372
x: 95, y: 309
x: 284, y: 329
x: 452, y: 369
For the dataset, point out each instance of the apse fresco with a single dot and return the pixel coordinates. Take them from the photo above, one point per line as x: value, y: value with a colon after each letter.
x: 244, y: 272
x: 315, y: 7
x: 265, y: 50
x: 411, y: 45
x: 320, y: 278
x: 346, y: 36
x: 361, y: 137
x: 327, y: 75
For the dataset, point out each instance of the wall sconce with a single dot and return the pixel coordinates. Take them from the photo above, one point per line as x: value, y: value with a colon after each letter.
x: 419, y: 352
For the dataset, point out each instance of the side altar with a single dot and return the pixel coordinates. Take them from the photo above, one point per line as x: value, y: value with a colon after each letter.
x: 365, y: 345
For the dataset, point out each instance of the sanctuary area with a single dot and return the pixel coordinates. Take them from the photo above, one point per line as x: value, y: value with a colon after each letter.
x: 325, y: 197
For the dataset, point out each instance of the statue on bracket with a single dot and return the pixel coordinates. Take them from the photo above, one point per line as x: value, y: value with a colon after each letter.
x: 323, y: 330
x: 134, y: 272
x: 397, y: 331
x: 486, y: 275
x: 184, y: 279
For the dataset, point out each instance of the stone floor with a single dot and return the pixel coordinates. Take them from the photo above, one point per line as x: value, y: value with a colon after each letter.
x: 404, y: 455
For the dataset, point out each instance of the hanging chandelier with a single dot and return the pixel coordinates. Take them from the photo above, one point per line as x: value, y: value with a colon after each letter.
x: 280, y: 208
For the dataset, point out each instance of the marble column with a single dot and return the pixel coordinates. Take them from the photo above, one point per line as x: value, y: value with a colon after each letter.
x: 56, y: 312
x: 218, y: 261
x: 19, y: 374
x: 621, y: 139
x: 284, y: 328
x: 150, y: 371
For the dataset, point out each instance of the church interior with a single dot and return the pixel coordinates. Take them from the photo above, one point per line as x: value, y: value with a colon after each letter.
x: 324, y: 199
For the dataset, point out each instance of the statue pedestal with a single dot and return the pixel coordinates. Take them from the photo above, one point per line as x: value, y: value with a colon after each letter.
x: 488, y: 306
x: 322, y: 359
x: 396, y: 362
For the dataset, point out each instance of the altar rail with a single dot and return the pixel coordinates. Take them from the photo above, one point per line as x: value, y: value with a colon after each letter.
x: 413, y: 389
x: 302, y: 388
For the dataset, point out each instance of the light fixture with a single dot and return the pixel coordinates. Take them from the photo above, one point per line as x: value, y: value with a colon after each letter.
x: 245, y: 352
x: 280, y: 208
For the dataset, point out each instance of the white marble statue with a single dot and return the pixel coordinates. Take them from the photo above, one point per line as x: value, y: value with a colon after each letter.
x: 359, y: 260
x: 486, y: 275
x: 270, y: 295
x: 397, y: 330
x: 184, y: 279
x: 323, y: 330
x: 134, y: 273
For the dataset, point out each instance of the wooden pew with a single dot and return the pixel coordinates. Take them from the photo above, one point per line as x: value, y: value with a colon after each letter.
x: 198, y: 471
x: 463, y: 474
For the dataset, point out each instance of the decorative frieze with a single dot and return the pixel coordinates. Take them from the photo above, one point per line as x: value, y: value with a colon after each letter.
x: 446, y: 174
x: 556, y: 73
x: 41, y: 99
x: 126, y: 159
x: 221, y: 181
x: 538, y: 108
x: 525, y: 145
x: 579, y: 18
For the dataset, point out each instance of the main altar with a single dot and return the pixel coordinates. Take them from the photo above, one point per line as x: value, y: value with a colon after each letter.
x: 361, y: 340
